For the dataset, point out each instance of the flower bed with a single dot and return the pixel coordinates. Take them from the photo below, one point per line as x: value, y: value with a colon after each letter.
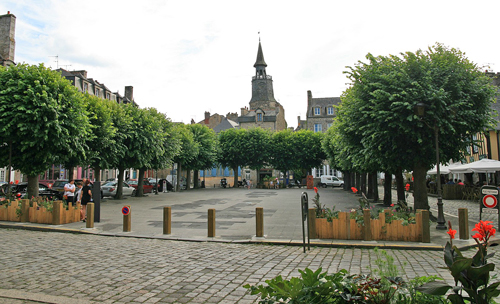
x: 39, y: 211
x: 346, y: 228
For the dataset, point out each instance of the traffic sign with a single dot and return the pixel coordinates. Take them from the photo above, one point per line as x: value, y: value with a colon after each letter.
x: 490, y: 201
x: 126, y: 210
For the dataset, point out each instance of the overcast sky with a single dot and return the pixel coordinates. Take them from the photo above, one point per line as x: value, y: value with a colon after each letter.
x: 188, y: 57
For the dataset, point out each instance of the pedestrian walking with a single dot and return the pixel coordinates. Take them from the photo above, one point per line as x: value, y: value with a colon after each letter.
x: 249, y: 184
x: 78, y: 199
x: 86, y: 198
x: 69, y: 192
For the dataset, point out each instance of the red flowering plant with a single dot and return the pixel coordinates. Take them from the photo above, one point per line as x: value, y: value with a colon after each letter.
x: 317, y: 205
x: 473, y: 274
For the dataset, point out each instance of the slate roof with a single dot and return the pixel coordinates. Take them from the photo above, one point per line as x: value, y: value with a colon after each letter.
x: 225, y: 125
x: 322, y: 103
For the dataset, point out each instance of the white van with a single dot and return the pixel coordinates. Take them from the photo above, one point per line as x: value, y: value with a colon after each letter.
x: 330, y: 180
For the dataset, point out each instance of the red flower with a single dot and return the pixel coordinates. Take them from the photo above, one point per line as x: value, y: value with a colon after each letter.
x: 407, y: 187
x: 392, y: 205
x: 11, y: 182
x: 451, y: 233
x: 315, y: 189
x: 354, y: 189
x: 17, y: 181
x: 484, y: 230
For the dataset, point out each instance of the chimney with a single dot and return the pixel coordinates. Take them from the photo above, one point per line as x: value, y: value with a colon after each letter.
x: 7, y: 37
x: 207, y: 117
x: 129, y: 93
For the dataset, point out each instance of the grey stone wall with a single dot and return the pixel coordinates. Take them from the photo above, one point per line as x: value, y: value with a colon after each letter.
x: 7, y: 37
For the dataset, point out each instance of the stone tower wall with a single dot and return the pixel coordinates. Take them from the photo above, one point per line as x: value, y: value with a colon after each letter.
x: 7, y: 36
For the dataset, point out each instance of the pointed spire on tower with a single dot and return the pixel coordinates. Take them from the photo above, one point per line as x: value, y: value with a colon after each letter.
x: 260, y: 57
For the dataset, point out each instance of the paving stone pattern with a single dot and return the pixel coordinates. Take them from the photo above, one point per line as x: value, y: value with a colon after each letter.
x: 129, y: 270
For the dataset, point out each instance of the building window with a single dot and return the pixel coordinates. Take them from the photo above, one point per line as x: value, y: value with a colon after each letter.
x: 328, y: 125
x: 317, y: 111
x: 259, y: 116
x: 85, y: 87
x: 330, y: 110
x: 96, y: 92
x: 108, y: 96
x: 2, y: 175
x: 318, y: 128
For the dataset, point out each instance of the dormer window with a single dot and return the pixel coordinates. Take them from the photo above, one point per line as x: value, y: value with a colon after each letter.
x: 85, y: 87
x: 259, y: 116
x: 329, y: 110
x: 96, y: 92
x: 317, y: 111
x: 108, y: 96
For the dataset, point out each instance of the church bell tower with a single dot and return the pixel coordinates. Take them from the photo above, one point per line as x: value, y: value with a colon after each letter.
x: 262, y: 85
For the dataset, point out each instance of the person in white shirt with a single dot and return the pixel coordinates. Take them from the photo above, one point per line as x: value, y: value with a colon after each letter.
x: 69, y: 191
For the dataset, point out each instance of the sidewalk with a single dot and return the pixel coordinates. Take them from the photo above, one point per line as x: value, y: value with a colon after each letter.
x: 235, y: 217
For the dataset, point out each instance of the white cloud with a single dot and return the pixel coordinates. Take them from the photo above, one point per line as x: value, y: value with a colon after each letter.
x: 188, y: 57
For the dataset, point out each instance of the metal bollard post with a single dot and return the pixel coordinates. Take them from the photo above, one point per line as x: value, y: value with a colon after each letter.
x: 259, y: 218
x: 167, y: 220
x: 211, y: 222
x: 90, y: 215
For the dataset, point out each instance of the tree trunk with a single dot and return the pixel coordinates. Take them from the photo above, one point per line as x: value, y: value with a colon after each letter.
x: 400, y: 185
x: 369, y: 193
x: 178, y: 186
x: 196, y: 177
x: 358, y: 182
x: 71, y: 173
x: 32, y: 186
x: 363, y: 183
x: 235, y: 170
x: 119, y: 189
x: 387, y: 189
x: 347, y: 180
x: 188, y: 179
x: 353, y: 180
x: 375, y: 188
x: 419, y: 188
x: 140, y: 183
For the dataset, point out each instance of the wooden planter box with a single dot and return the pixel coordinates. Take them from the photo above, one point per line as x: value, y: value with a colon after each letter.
x: 345, y: 228
x: 58, y: 216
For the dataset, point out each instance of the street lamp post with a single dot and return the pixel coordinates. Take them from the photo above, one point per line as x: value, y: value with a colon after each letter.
x: 420, y: 109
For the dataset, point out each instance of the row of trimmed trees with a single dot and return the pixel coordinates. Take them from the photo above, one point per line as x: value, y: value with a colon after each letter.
x: 377, y: 129
x: 45, y: 120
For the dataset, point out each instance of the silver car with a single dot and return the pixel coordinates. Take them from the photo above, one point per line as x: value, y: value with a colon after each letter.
x: 109, y: 189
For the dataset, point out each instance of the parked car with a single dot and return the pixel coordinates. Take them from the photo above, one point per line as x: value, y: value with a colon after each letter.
x: 330, y: 180
x: 147, y: 187
x: 21, y: 191
x: 109, y: 189
x: 59, y: 185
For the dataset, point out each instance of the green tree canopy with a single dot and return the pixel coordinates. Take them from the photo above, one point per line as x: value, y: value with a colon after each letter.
x: 42, y: 119
x: 378, y: 111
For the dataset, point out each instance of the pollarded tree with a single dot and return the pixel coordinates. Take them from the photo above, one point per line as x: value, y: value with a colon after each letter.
x: 257, y: 149
x: 189, y: 149
x: 282, y: 152
x: 123, y: 123
x: 458, y: 97
x: 232, y: 150
x: 207, y: 156
x: 307, y: 150
x: 42, y: 120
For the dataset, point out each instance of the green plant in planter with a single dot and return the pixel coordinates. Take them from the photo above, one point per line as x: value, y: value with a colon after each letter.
x: 320, y: 209
x: 473, y: 274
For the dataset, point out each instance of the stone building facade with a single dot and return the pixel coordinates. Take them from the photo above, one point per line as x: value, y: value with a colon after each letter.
x: 320, y: 112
